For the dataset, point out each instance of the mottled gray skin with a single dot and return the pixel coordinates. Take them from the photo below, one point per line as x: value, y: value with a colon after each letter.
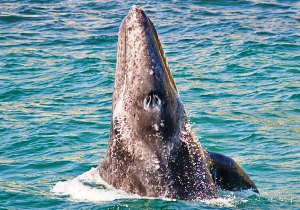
x: 152, y: 150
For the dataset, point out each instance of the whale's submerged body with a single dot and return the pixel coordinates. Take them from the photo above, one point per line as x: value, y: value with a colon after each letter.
x: 152, y: 150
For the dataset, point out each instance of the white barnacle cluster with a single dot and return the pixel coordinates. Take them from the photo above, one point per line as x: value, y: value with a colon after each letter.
x: 154, y: 66
x: 133, y: 28
x: 162, y: 124
x: 156, y: 127
x: 156, y: 163
x: 151, y: 72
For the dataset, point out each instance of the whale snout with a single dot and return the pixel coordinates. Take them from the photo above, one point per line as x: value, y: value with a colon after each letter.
x: 137, y: 14
x: 141, y: 60
x: 136, y: 21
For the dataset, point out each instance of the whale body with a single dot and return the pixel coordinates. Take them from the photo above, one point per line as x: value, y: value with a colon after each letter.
x: 152, y: 150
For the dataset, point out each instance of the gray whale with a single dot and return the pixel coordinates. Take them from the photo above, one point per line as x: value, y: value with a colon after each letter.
x: 152, y: 150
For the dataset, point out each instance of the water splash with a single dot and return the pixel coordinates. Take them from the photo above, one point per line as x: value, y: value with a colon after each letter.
x: 90, y: 187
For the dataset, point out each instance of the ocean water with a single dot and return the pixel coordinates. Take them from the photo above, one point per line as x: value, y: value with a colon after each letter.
x: 235, y: 63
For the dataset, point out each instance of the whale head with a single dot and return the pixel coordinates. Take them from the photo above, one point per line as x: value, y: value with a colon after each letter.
x: 144, y: 91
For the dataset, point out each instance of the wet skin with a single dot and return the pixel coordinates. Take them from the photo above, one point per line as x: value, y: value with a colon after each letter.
x: 152, y: 150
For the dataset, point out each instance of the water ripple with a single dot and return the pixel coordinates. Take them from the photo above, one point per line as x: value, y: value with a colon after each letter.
x: 236, y: 65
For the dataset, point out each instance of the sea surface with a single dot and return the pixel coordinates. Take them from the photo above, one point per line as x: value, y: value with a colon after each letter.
x: 236, y: 64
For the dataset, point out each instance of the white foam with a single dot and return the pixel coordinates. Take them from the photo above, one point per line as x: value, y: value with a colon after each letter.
x: 97, y: 190
x: 90, y: 187
x: 231, y: 199
x: 229, y: 202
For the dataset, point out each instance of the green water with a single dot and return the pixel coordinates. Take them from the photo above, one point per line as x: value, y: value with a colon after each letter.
x: 235, y: 63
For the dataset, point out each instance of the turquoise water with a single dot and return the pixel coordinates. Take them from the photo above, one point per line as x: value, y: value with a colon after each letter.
x: 236, y: 65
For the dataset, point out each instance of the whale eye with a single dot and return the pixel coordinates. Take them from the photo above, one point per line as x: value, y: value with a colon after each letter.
x: 152, y: 101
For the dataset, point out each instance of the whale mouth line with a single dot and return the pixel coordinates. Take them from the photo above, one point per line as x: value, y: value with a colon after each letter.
x: 162, y: 55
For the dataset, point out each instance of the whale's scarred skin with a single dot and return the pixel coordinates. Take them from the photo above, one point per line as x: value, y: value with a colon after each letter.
x: 152, y: 150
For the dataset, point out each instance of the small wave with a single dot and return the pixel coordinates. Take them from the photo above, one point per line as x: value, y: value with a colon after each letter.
x: 229, y: 199
x: 90, y: 187
x: 295, y: 96
x: 225, y: 202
